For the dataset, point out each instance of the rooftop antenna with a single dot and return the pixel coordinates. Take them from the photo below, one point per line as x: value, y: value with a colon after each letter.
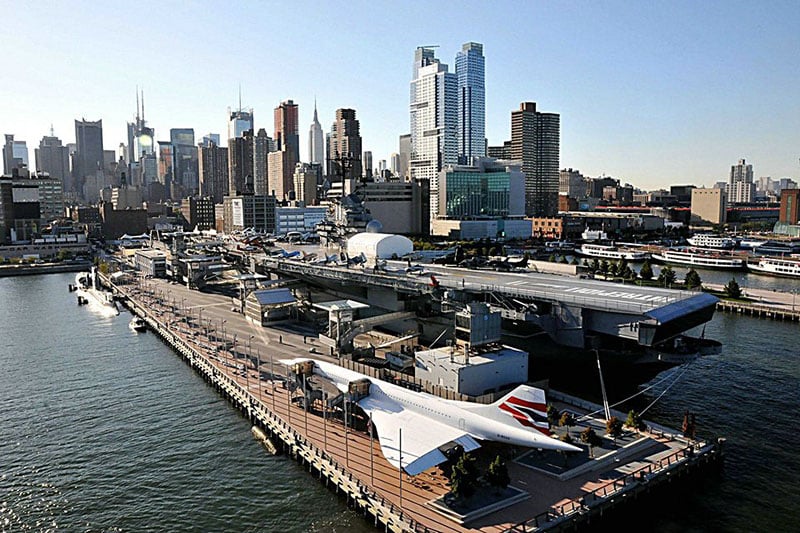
x: 52, y: 132
x: 142, y: 105
x: 137, y: 104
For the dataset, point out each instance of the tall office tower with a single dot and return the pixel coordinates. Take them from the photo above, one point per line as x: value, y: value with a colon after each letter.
x: 240, y: 164
x: 740, y: 187
x: 404, y: 149
x: 367, y: 164
x: 185, y: 161
x: 316, y: 141
x: 262, y: 146
x: 213, y: 170
x: 209, y: 138
x: 240, y: 120
x: 166, y: 164
x: 53, y: 157
x: 287, y: 140
x: 434, y: 121
x: 535, y: 140
x: 15, y: 154
x: 344, y: 150
x: 394, y: 163
x: 88, y: 152
x: 140, y: 136
x: 470, y: 71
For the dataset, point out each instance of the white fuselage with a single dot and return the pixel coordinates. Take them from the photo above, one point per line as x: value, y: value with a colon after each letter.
x: 449, y: 412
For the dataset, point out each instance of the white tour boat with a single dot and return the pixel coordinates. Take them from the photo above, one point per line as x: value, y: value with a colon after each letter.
x: 603, y: 251
x: 709, y: 240
x: 699, y: 257
x: 775, y: 266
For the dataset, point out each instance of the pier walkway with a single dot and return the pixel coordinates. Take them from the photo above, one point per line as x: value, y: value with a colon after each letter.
x: 241, y: 361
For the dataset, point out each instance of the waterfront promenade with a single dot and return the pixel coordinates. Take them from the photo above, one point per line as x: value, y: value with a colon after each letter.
x: 243, y: 359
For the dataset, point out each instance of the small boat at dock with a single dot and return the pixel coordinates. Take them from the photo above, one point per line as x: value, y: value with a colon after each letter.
x: 137, y: 324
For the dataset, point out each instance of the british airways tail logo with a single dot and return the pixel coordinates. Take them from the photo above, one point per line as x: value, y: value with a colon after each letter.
x: 529, y: 414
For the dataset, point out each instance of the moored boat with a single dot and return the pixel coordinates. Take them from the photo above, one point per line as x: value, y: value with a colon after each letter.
x: 137, y: 324
x: 775, y: 266
x: 699, y: 257
x: 603, y: 251
x: 709, y: 240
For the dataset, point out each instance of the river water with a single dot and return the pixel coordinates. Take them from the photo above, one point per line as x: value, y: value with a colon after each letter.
x: 107, y: 430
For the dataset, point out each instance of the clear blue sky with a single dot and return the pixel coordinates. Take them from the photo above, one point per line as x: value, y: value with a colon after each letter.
x: 651, y: 93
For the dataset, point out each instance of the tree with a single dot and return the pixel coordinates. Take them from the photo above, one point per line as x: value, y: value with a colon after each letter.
x: 667, y: 276
x: 692, y: 280
x: 634, y: 421
x: 732, y: 289
x: 588, y: 436
x: 646, y: 273
x: 464, y: 477
x: 552, y: 258
x: 613, y: 268
x: 614, y: 428
x: 604, y: 267
x: 567, y: 420
x: 595, y: 265
x: 497, y: 474
x: 576, y: 261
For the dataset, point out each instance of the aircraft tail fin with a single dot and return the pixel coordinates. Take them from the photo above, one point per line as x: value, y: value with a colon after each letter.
x: 527, y: 405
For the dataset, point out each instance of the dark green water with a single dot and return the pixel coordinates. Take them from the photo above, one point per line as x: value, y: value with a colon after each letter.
x: 102, y: 429
x: 105, y: 430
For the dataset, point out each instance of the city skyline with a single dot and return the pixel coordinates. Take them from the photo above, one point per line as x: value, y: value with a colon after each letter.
x: 652, y: 96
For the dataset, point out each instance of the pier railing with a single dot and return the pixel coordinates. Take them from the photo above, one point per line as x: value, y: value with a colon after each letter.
x: 759, y: 310
x: 636, y: 479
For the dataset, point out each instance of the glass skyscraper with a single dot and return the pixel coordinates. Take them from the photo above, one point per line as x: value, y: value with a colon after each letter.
x: 434, y: 120
x: 470, y: 70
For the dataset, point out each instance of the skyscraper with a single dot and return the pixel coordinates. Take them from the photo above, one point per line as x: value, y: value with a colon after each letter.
x: 470, y: 71
x: 184, y: 153
x: 535, y: 140
x: 287, y: 141
x: 88, y: 152
x: 213, y: 170
x: 140, y: 136
x: 740, y: 187
x: 53, y: 157
x: 345, y: 147
x: 15, y: 154
x: 404, y: 149
x: 240, y: 164
x: 262, y: 146
x: 239, y: 121
x: 367, y: 164
x: 166, y: 164
x: 434, y: 120
x: 316, y: 141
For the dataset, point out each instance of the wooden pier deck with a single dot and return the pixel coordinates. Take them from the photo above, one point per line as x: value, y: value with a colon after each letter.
x: 348, y: 460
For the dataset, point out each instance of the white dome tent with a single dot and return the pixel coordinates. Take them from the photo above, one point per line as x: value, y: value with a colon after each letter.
x: 376, y: 246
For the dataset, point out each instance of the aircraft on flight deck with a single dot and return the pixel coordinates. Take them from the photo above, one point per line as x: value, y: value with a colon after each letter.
x: 429, y: 423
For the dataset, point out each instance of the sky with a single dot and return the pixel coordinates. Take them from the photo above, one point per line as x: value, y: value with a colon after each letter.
x: 651, y: 93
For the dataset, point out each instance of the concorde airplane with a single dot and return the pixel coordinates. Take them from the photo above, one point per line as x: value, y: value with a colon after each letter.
x: 428, y: 422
